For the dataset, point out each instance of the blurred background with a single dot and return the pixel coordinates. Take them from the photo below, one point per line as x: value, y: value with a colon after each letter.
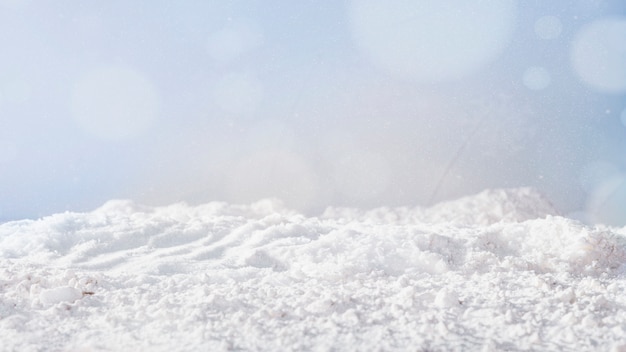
x: 349, y: 103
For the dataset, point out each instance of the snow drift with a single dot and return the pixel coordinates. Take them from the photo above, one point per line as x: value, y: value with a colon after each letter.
x: 496, y: 271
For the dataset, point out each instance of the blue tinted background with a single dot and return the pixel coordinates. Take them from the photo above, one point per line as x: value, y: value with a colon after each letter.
x: 364, y: 103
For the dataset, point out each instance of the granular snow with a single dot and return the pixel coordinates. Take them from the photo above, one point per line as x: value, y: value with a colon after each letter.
x: 496, y: 271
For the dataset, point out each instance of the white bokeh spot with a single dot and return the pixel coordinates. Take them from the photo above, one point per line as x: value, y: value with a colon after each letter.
x: 15, y: 90
x: 238, y: 93
x: 233, y: 41
x: 8, y: 151
x: 598, y: 55
x: 595, y: 173
x: 114, y: 103
x: 548, y: 27
x: 430, y: 40
x: 273, y: 173
x: 361, y: 176
x: 607, y: 202
x: 14, y: 4
x: 536, y: 78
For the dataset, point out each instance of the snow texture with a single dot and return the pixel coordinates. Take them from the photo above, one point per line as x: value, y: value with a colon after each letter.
x: 497, y: 271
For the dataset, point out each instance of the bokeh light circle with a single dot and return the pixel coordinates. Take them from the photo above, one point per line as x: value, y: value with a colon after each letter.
x: 536, y: 78
x: 8, y: 151
x: 14, y: 4
x: 238, y: 93
x: 16, y: 90
x: 273, y: 173
x: 598, y: 55
x: 114, y: 103
x: 595, y: 173
x: 361, y: 176
x: 607, y: 203
x: 431, y: 40
x: 233, y: 41
x: 548, y: 27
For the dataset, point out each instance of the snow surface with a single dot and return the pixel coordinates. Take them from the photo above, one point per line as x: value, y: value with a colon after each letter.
x: 496, y: 271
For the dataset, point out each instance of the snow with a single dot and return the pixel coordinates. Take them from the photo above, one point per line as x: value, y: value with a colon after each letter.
x: 59, y: 294
x: 501, y: 270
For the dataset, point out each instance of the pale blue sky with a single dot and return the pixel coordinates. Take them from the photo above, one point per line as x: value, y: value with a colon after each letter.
x: 363, y: 103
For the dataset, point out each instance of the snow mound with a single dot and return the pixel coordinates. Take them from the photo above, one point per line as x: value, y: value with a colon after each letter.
x: 497, y: 270
x: 491, y: 206
x: 485, y: 208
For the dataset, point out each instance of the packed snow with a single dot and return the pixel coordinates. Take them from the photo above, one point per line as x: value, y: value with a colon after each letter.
x: 501, y: 270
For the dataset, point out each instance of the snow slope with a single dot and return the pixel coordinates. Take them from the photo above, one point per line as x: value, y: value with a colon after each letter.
x: 496, y: 271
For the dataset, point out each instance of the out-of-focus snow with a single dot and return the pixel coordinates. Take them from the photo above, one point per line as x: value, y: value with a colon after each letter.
x: 598, y: 55
x: 485, y: 208
x: 498, y: 270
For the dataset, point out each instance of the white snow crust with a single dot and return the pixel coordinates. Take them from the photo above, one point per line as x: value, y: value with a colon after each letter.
x: 497, y: 271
